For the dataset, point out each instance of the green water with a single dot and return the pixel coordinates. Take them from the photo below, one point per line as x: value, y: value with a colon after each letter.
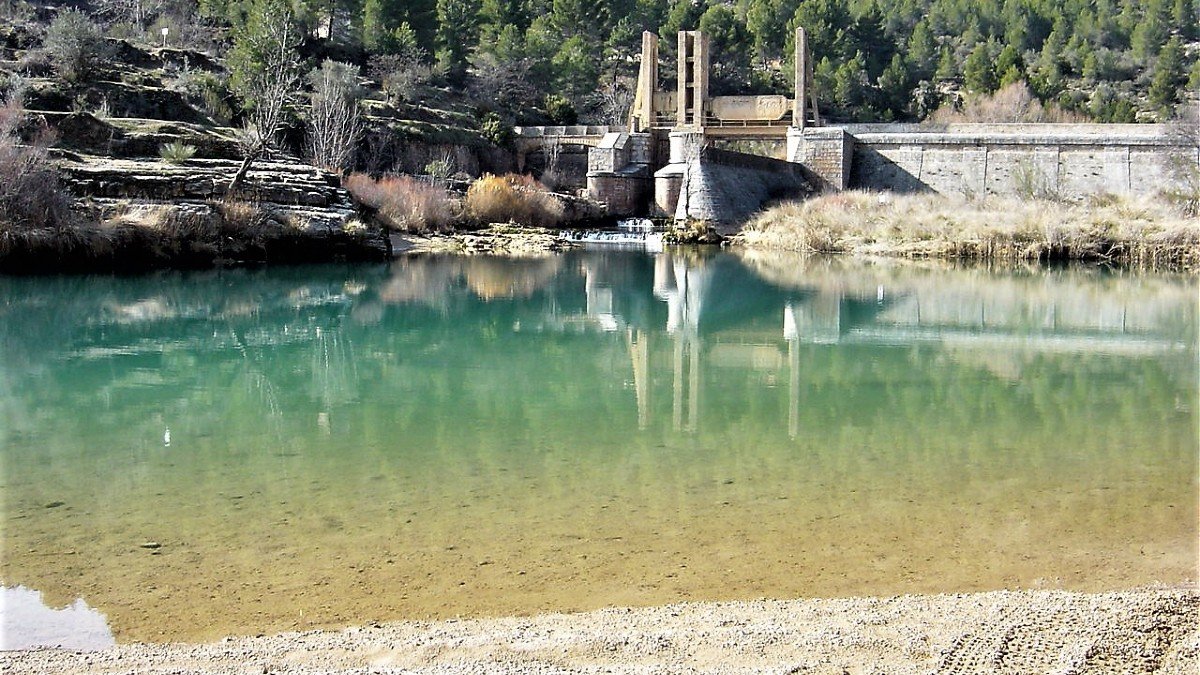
x: 477, y: 436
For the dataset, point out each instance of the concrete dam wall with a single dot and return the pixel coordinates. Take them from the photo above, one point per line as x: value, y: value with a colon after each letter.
x: 1017, y: 159
x: 634, y: 175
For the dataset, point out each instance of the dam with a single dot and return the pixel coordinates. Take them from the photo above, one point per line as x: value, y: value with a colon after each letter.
x: 681, y: 154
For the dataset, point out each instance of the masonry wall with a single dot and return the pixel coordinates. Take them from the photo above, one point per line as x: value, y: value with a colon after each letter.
x: 725, y: 187
x: 1017, y: 159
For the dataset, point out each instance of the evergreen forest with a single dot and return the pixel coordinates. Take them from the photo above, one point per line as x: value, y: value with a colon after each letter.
x: 563, y: 61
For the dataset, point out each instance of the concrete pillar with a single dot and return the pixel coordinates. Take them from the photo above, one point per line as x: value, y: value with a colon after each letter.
x: 643, y: 114
x: 694, y: 61
x: 801, y: 78
x: 684, y: 78
x: 700, y: 65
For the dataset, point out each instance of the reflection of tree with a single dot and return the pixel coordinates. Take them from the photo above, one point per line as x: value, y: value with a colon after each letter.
x: 491, y: 277
x: 433, y: 280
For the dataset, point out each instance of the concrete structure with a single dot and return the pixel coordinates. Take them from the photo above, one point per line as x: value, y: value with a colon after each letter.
x: 676, y: 173
x: 978, y: 159
x: 688, y: 179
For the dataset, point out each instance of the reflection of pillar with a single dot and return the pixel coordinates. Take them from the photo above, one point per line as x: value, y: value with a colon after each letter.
x: 792, y: 335
x: 793, y: 388
x: 639, y: 356
x: 693, y: 387
x: 677, y: 388
x: 818, y: 320
x: 686, y: 386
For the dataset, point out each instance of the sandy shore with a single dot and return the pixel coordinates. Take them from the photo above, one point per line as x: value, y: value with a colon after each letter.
x: 1146, y: 630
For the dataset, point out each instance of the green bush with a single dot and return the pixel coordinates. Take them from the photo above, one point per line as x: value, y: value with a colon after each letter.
x: 494, y: 129
x: 559, y: 110
x: 76, y: 46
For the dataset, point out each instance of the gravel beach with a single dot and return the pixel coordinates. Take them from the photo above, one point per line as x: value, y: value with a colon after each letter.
x: 1146, y: 630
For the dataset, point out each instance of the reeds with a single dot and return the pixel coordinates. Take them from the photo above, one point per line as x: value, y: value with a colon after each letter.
x: 512, y: 199
x: 1148, y: 232
x: 403, y: 202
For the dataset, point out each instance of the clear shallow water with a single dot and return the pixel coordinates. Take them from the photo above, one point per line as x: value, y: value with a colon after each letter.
x: 473, y: 436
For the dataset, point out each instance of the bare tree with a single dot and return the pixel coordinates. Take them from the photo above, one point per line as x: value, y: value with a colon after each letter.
x: 505, y: 83
x: 401, y: 75
x: 1183, y: 162
x: 137, y: 12
x: 610, y: 104
x: 335, y: 122
x: 264, y: 68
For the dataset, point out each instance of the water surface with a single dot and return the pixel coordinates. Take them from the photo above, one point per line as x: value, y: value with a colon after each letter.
x: 212, y: 453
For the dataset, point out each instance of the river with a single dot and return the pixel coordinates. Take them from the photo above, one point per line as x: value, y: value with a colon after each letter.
x: 193, y: 455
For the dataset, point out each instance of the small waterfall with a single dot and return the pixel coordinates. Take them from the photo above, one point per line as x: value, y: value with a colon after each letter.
x: 631, y: 232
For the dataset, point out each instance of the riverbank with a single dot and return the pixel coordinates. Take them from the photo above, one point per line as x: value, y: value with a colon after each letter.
x: 511, y: 241
x: 1145, y: 630
x: 1148, y: 232
x: 197, y: 235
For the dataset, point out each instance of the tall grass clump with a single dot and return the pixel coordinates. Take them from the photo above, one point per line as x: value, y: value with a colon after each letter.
x: 404, y: 202
x: 176, y: 152
x: 512, y: 199
x: 1149, y: 232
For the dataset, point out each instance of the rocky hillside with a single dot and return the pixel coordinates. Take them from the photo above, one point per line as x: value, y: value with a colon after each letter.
x: 147, y: 142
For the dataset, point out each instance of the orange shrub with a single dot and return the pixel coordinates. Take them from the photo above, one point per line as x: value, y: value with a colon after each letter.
x: 512, y: 199
x: 403, y: 202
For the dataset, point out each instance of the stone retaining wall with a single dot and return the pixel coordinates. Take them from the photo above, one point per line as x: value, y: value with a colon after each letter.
x: 1022, y: 159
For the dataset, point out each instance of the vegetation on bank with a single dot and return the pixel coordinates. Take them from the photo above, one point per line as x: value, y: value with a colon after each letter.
x: 219, y: 233
x: 424, y: 204
x: 1148, y: 232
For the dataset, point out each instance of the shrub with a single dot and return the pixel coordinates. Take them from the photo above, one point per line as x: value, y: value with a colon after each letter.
x: 512, y: 198
x: 442, y: 168
x: 176, y: 152
x: 559, y: 109
x: 403, y: 202
x: 401, y: 75
x: 31, y: 195
x: 16, y: 10
x: 76, y: 46
x: 207, y: 91
x: 493, y: 128
x: 1014, y: 103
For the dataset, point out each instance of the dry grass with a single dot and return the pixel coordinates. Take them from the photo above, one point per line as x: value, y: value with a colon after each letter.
x: 1146, y: 232
x: 1013, y: 103
x: 403, y: 202
x: 512, y: 199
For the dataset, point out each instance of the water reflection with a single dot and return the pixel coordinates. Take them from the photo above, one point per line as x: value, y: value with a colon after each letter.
x: 445, y: 435
x: 26, y: 622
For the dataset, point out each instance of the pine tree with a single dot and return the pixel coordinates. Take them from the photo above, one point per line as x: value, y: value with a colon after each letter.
x: 1009, y: 60
x: 947, y: 68
x: 1168, y: 76
x: 457, y: 33
x: 1185, y: 16
x: 896, y: 84
x: 978, y: 75
x: 922, y: 51
x: 1151, y: 31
